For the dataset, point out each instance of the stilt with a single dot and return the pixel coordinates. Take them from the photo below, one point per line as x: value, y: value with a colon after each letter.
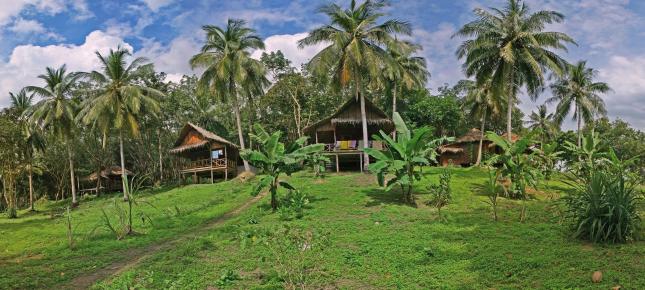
x: 195, y: 180
x: 361, y: 160
x: 211, y: 174
x: 337, y: 169
x: 226, y: 174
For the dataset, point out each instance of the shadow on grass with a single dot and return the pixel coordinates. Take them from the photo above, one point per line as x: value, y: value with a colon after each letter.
x: 379, y: 196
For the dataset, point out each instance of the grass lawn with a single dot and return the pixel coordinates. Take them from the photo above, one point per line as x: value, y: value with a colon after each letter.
x: 355, y: 236
x: 34, y: 252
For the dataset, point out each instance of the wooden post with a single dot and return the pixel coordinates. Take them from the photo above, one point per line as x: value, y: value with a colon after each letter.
x: 316, y: 136
x: 337, y: 169
x: 195, y: 181
x: 225, y: 164
x: 361, y: 160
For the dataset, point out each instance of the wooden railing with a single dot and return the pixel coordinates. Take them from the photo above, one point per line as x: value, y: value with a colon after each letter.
x: 331, y: 147
x: 207, y: 163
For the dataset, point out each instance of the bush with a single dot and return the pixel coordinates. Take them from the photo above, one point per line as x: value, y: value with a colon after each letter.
x: 604, y: 209
x: 441, y: 193
x: 293, y: 205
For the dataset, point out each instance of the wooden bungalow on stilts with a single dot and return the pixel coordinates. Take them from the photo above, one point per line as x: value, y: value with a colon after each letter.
x: 108, y: 179
x: 342, y: 133
x: 208, y: 155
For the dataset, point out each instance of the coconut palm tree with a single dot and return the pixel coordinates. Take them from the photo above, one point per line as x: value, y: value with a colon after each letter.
x: 230, y: 72
x: 34, y: 141
x: 355, y: 53
x: 510, y: 47
x: 577, y: 90
x: 481, y: 103
x: 119, y: 102
x: 56, y: 111
x: 542, y: 121
x: 405, y: 70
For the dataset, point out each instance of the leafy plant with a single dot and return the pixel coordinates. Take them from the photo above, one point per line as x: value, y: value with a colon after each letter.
x: 403, y: 157
x: 516, y: 166
x: 227, y: 278
x: 441, y: 193
x: 491, y: 189
x: 604, y: 209
x: 274, y: 158
x: 293, y: 205
x: 317, y: 162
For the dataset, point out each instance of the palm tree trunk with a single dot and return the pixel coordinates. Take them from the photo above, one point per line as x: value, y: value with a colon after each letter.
x: 31, y: 187
x: 509, y: 113
x: 71, y: 172
x: 394, y: 106
x: 481, y: 140
x: 238, y: 121
x: 160, y: 156
x: 124, y: 174
x: 579, y: 125
x: 366, y: 160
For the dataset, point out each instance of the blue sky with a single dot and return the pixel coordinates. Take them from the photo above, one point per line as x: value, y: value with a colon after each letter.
x: 39, y: 33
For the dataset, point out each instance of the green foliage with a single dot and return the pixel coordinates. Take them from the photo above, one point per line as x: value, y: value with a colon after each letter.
x: 403, y: 157
x: 604, y: 209
x: 441, y: 112
x: 227, y: 278
x: 441, y: 192
x: 293, y: 205
x: 317, y: 161
x: 491, y: 190
x: 516, y: 165
x: 274, y: 158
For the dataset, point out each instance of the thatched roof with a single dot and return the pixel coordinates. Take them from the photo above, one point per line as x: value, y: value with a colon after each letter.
x: 208, y: 137
x: 112, y: 171
x: 447, y: 149
x: 350, y: 114
x: 474, y: 135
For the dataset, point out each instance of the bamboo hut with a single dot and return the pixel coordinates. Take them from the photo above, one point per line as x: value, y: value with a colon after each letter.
x: 342, y: 132
x: 463, y: 152
x: 207, y: 154
x: 110, y: 179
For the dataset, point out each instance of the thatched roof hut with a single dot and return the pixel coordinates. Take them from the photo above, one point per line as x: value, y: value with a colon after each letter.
x: 207, y: 153
x: 193, y: 137
x: 349, y: 115
x: 465, y: 149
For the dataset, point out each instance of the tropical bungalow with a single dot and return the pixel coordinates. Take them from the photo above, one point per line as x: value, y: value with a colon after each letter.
x: 206, y: 154
x: 110, y: 180
x: 463, y: 152
x: 342, y: 133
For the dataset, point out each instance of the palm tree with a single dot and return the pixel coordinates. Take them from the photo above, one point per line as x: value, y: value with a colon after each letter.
x: 510, y: 47
x: 119, y: 102
x: 229, y: 69
x: 542, y: 121
x: 56, y: 111
x: 577, y: 90
x: 404, y: 69
x: 482, y: 103
x: 21, y: 102
x: 355, y: 52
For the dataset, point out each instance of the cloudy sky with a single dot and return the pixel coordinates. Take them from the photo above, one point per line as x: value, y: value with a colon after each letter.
x: 39, y: 33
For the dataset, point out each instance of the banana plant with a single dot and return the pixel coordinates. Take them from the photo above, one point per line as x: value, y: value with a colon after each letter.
x: 403, y: 157
x: 274, y: 158
x: 516, y: 165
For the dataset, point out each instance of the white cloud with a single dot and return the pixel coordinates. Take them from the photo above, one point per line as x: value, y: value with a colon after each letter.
x: 288, y: 44
x: 626, y: 76
x: 154, y: 5
x: 171, y: 59
x: 439, y: 52
x: 24, y: 27
x: 28, y: 61
x: 12, y: 8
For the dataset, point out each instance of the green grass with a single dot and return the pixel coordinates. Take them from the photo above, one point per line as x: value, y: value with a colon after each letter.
x: 374, y: 241
x: 34, y: 252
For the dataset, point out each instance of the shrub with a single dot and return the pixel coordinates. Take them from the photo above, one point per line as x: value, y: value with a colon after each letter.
x: 491, y: 189
x: 441, y: 193
x: 604, y: 209
x: 293, y: 205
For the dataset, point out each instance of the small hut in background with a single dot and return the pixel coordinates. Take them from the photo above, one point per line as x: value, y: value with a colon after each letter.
x: 207, y: 154
x: 342, y: 132
x: 110, y: 180
x: 463, y: 152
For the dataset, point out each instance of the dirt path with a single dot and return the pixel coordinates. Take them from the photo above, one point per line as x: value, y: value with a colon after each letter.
x: 135, y: 256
